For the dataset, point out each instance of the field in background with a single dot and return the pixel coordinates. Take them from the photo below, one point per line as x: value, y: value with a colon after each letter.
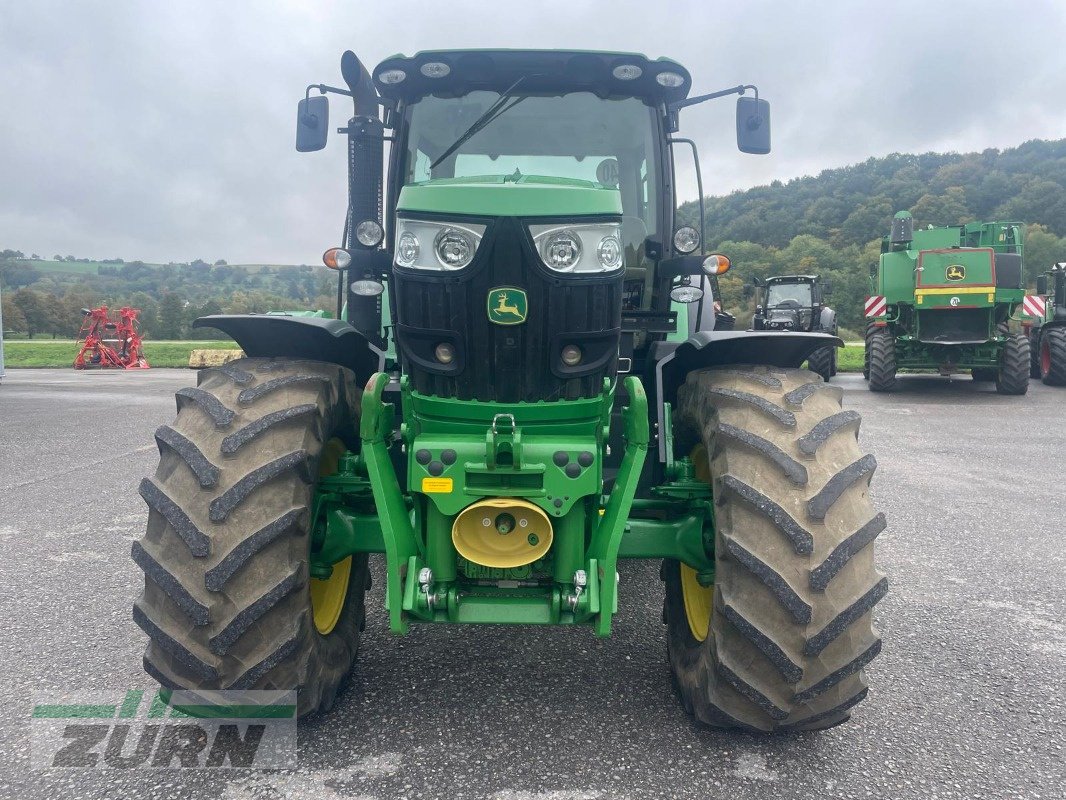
x: 60, y: 353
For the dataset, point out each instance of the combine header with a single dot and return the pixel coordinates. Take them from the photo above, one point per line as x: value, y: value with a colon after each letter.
x: 106, y: 344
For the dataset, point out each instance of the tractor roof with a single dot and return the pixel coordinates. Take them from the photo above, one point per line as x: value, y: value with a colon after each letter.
x: 543, y: 71
x: 793, y: 279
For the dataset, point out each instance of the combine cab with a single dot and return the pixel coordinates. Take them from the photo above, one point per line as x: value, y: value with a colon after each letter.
x: 943, y: 301
x: 109, y: 344
x: 797, y: 303
x: 1046, y: 326
x: 528, y: 385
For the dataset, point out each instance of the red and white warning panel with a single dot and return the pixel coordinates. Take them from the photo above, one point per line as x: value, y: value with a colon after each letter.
x: 1034, y: 305
x: 875, y: 306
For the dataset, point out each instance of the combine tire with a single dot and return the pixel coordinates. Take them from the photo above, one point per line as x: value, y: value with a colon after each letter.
x: 781, y: 640
x: 228, y: 601
x: 1053, y: 357
x: 1013, y: 376
x: 821, y: 362
x: 881, y: 358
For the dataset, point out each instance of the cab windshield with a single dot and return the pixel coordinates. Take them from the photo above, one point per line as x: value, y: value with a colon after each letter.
x: 576, y: 137
x: 798, y: 293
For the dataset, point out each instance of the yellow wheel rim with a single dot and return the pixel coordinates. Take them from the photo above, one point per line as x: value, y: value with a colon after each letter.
x: 699, y: 600
x: 328, y: 595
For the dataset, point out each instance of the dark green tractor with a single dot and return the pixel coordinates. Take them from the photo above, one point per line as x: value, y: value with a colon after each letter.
x: 788, y: 303
x: 1045, y: 326
x: 527, y: 385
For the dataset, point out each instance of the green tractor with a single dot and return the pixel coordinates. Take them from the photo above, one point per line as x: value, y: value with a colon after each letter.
x: 1046, y: 327
x: 526, y: 387
x: 943, y: 300
x: 797, y: 303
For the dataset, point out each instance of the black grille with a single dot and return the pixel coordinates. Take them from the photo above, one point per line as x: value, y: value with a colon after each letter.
x: 508, y: 363
x: 954, y: 325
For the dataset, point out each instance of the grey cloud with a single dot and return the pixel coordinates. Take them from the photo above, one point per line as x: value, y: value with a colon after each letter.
x: 164, y: 131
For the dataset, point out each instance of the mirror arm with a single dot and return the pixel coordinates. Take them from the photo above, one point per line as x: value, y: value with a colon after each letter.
x: 672, y: 109
x: 699, y: 187
x: 324, y: 89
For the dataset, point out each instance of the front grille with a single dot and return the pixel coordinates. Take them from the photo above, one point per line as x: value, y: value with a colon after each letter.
x: 508, y: 363
x: 954, y: 326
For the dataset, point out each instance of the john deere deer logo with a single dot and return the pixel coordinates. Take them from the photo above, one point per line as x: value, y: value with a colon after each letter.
x: 956, y: 272
x: 507, y: 306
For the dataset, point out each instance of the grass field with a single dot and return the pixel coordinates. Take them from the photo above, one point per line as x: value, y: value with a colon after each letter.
x: 60, y: 353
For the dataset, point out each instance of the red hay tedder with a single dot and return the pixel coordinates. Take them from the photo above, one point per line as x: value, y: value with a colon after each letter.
x: 106, y: 344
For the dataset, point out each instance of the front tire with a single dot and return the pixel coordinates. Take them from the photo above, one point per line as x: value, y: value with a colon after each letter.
x: 228, y: 600
x: 1053, y: 357
x: 1013, y: 376
x: 787, y: 632
x: 820, y: 362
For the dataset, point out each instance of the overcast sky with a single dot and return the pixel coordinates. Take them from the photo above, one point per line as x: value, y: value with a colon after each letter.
x: 164, y: 131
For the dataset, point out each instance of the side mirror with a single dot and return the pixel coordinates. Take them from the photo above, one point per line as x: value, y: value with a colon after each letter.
x: 753, y: 125
x: 827, y: 288
x: 1041, y: 284
x: 312, y: 124
x: 749, y: 290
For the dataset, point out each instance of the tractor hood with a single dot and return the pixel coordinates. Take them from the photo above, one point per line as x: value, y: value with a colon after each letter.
x: 505, y: 196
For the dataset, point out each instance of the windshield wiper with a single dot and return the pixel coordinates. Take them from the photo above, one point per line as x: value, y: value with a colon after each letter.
x: 497, y: 109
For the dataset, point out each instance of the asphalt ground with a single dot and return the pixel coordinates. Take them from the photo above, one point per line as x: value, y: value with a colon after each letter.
x: 967, y: 700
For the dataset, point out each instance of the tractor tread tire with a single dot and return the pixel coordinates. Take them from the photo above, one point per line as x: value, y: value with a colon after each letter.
x: 1034, y: 353
x: 1013, y: 376
x: 881, y: 349
x: 226, y: 601
x: 1054, y: 339
x: 820, y: 362
x: 791, y: 626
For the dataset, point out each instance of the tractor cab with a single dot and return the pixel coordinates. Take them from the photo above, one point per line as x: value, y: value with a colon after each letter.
x: 789, y: 303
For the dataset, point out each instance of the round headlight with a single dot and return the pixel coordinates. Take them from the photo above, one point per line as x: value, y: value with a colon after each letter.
x: 610, y: 252
x: 686, y: 239
x: 716, y: 264
x: 571, y: 355
x: 686, y: 294
x: 562, y: 250
x: 627, y: 72
x: 391, y: 76
x: 369, y: 233
x: 671, y: 80
x: 337, y: 258
x: 407, y: 249
x: 444, y: 353
x: 454, y: 248
x: 368, y: 287
x: 435, y: 69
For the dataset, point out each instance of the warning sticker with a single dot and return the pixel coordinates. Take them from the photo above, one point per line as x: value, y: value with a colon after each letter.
x: 436, y: 485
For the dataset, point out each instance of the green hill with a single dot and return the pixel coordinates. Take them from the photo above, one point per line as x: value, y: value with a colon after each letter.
x: 832, y: 223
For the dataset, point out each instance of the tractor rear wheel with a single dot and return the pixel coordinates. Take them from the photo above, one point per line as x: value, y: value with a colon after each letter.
x: 820, y: 362
x: 1013, y: 376
x: 1053, y: 357
x: 881, y: 357
x: 228, y: 600
x: 1035, y: 350
x: 781, y: 639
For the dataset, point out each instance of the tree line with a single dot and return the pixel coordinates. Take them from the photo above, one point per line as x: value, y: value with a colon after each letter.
x: 831, y: 224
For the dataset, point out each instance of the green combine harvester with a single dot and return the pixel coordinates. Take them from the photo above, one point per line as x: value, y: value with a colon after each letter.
x: 1046, y: 326
x: 943, y: 300
x: 526, y: 387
